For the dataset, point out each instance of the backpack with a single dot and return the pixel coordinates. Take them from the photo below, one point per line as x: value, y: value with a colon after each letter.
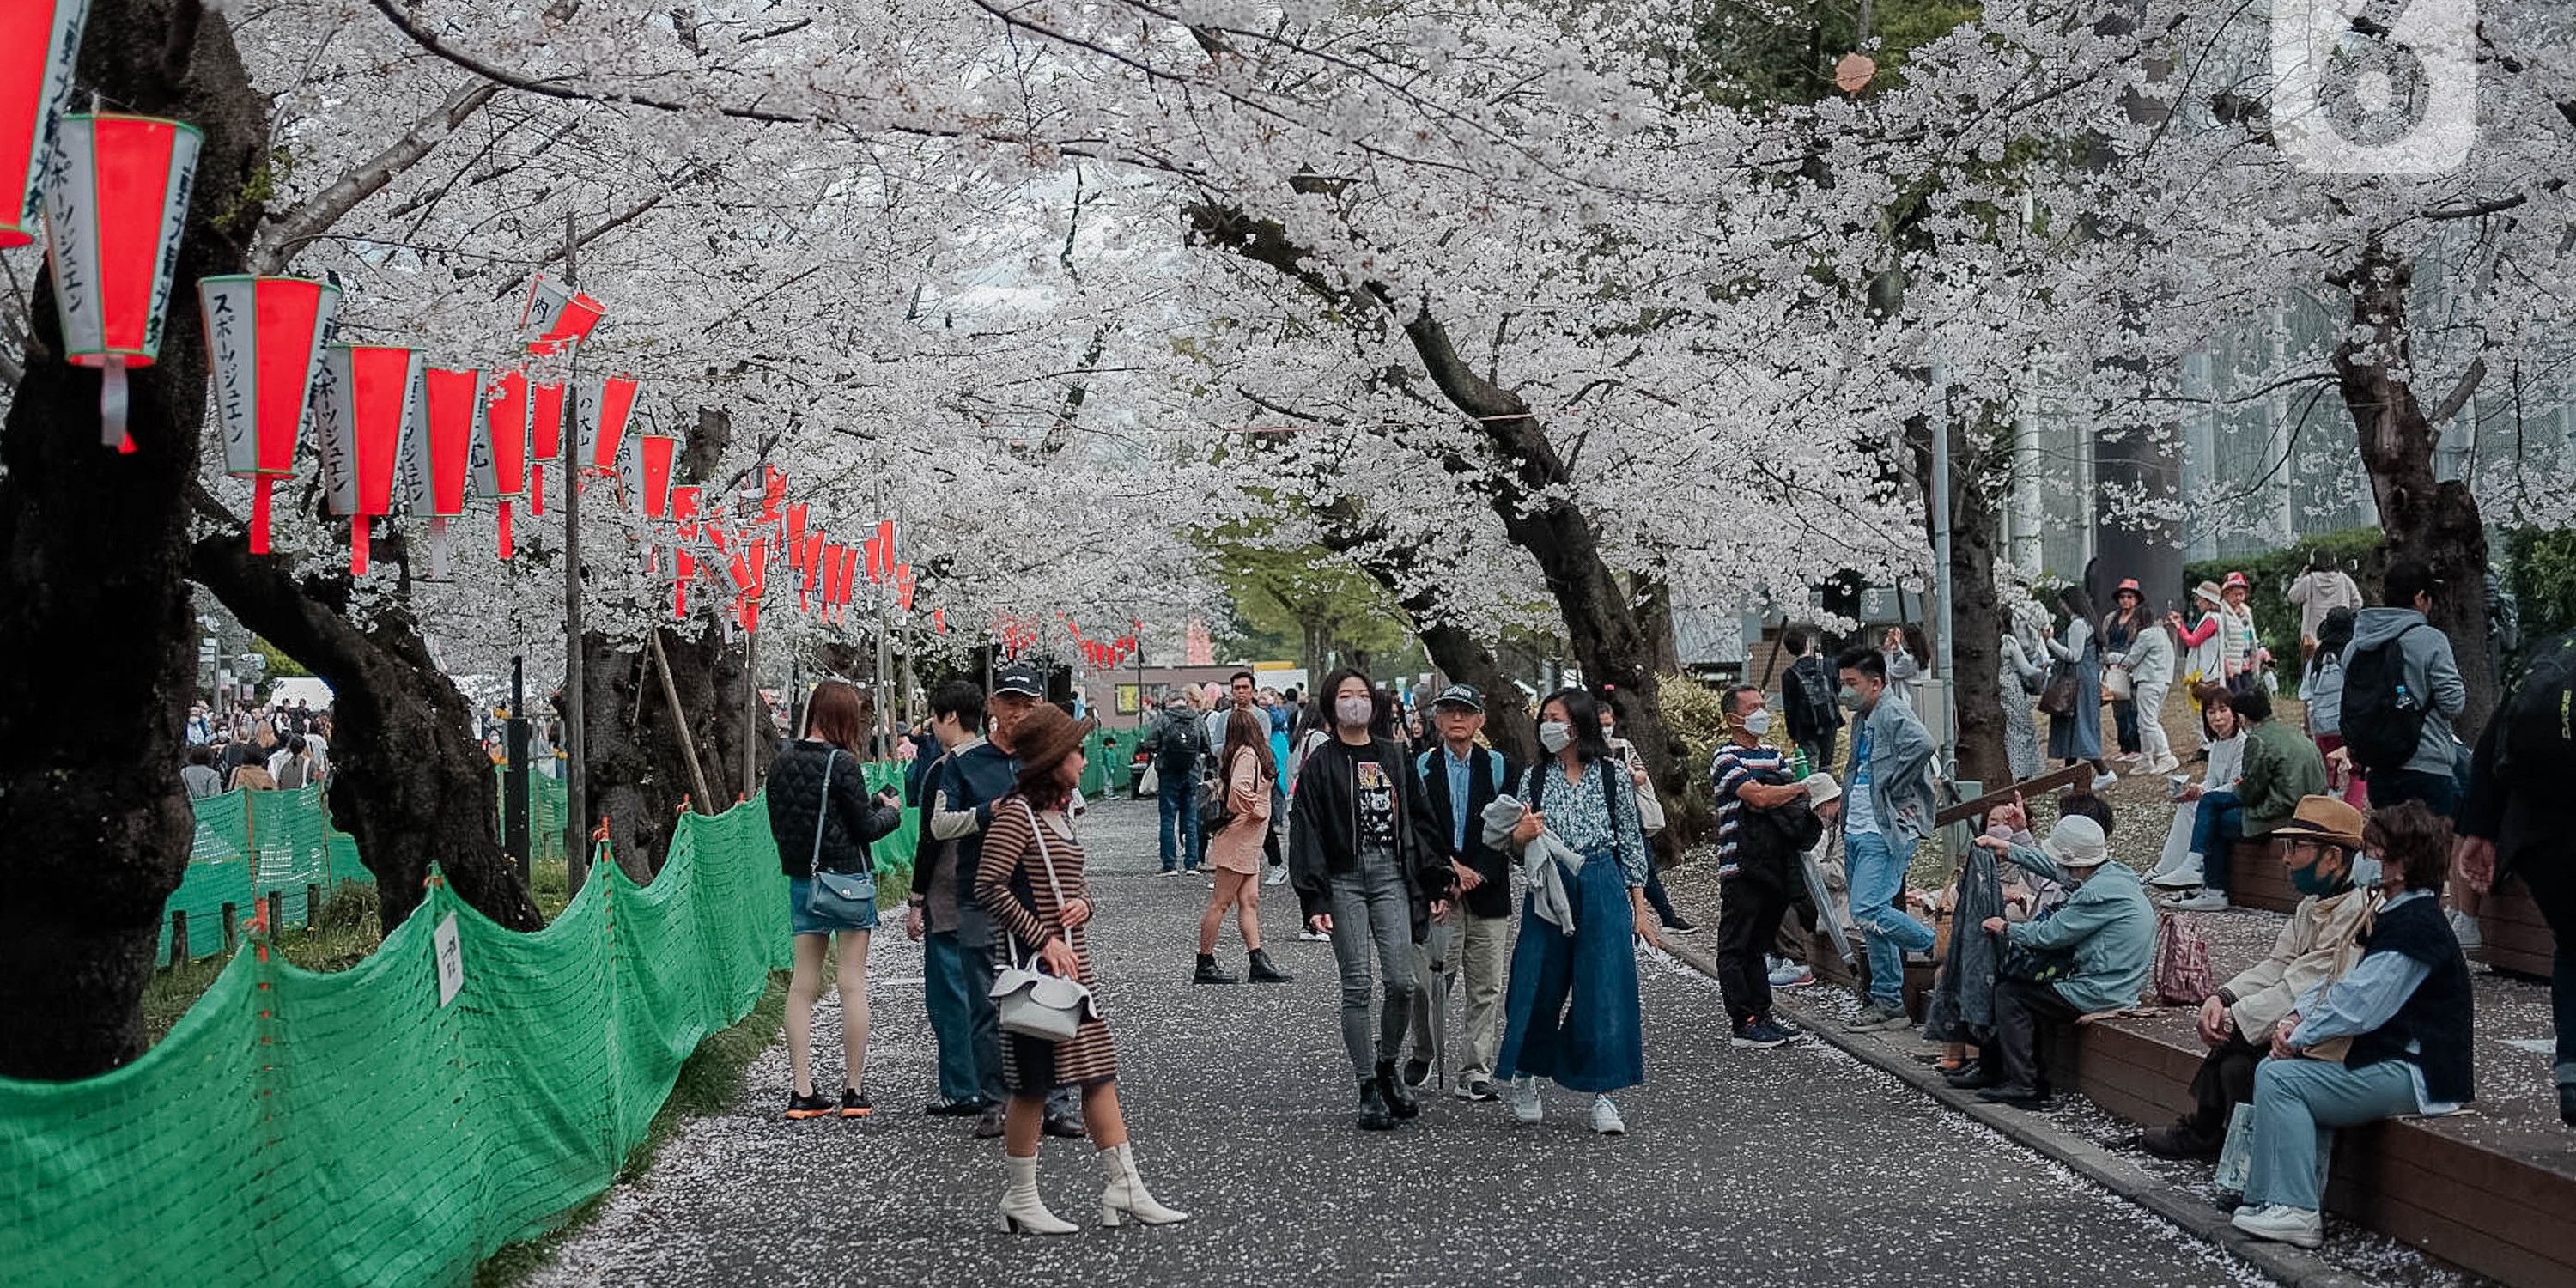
x: 2538, y: 743
x: 1815, y: 692
x: 1183, y: 746
x: 2382, y: 719
x: 2181, y: 973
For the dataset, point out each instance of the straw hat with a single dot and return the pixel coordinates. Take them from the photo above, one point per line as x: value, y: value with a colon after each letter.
x: 2207, y: 590
x: 2077, y: 842
x: 1046, y: 735
x: 2324, y: 818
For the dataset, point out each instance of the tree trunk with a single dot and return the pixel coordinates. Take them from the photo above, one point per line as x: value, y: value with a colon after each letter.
x: 93, y: 603
x: 1654, y: 600
x: 2435, y: 522
x: 1603, y: 630
x: 1976, y: 611
x: 408, y: 782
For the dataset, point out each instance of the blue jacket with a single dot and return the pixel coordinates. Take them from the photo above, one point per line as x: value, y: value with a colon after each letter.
x: 1900, y: 769
x: 2432, y: 673
x: 2106, y: 926
x: 973, y: 777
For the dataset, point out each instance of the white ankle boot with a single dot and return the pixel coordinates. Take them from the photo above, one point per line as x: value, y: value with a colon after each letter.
x: 1127, y: 1196
x: 1023, y: 1212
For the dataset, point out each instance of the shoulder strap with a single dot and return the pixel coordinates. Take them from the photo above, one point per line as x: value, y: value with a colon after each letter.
x: 824, y: 810
x: 1046, y: 857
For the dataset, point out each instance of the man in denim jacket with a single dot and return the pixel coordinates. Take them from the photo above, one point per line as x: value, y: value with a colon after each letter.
x: 1887, y: 812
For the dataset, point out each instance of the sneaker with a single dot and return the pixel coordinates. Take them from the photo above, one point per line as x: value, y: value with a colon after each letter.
x: 1605, y: 1117
x: 2207, y: 900
x: 2176, y: 1140
x: 1168, y: 872
x: 2465, y: 929
x: 1975, y: 1075
x: 2015, y: 1095
x: 954, y: 1107
x: 1792, y: 975
x: 1278, y: 876
x: 1677, y: 926
x: 1526, y: 1105
x: 2298, y: 1227
x: 1416, y: 1072
x: 2181, y: 876
x: 2105, y: 781
x: 2165, y: 764
x: 1786, y: 1028
x: 1759, y: 1035
x: 1313, y: 936
x: 988, y: 1124
x: 1480, y: 1090
x: 1064, y: 1127
x: 1874, y: 1018
x: 854, y: 1103
x: 810, y: 1105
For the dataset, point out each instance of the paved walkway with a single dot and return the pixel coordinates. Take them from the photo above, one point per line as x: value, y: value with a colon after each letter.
x: 1797, y: 1166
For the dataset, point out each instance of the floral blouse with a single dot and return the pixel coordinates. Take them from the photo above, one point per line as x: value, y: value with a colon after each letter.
x: 1588, y: 823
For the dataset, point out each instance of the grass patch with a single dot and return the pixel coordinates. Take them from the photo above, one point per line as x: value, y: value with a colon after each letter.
x: 550, y: 887
x: 709, y: 1082
x: 339, y: 938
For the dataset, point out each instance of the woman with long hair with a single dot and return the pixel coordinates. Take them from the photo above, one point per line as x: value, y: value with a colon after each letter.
x: 1908, y: 652
x: 824, y: 821
x: 2077, y: 735
x: 2226, y: 738
x: 1031, y: 881
x: 1369, y: 875
x: 1235, y: 851
x: 1572, y: 1012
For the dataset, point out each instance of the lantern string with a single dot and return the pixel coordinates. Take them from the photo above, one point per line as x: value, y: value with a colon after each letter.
x: 112, y: 406
x: 509, y: 547
x: 358, y: 545
x: 259, y: 513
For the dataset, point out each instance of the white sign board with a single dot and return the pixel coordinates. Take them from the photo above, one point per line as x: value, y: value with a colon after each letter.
x: 451, y: 959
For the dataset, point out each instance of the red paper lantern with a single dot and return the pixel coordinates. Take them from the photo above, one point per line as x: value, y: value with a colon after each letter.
x: 443, y: 458
x: 113, y: 215
x: 500, y: 456
x: 263, y: 340
x: 545, y: 429
x: 557, y: 317
x: 39, y: 45
x: 903, y: 583
x: 603, y: 407
x: 367, y: 401
x: 684, y: 565
x: 649, y: 475
x: 881, y: 551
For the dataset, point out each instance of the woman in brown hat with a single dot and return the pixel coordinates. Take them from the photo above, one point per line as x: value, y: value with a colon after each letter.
x: 1030, y: 881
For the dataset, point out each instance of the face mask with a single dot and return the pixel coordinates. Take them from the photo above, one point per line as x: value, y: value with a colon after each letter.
x: 1353, y: 711
x: 1849, y: 697
x: 2310, y: 881
x: 1555, y: 735
x: 1758, y: 723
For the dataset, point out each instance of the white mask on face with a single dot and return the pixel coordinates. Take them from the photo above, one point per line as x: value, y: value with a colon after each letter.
x: 1353, y: 711
x: 1758, y: 723
x: 1555, y: 735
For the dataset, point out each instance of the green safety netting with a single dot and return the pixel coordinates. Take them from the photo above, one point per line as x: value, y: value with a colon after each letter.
x: 1109, y: 756
x: 251, y: 843
x: 337, y: 1128
x: 546, y: 807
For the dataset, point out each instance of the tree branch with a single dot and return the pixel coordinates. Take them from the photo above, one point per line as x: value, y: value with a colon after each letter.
x: 299, y: 227
x: 2460, y: 393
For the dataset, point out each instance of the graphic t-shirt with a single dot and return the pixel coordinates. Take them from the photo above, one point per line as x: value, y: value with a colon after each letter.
x: 1376, y: 796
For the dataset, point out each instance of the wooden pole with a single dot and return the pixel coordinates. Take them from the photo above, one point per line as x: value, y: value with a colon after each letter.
x: 576, y: 770
x: 232, y: 927
x: 750, y: 718
x: 680, y: 721
x: 179, y: 937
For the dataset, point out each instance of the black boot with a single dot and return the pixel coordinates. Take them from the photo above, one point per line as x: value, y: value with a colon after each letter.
x: 2567, y: 1103
x: 1208, y: 973
x: 1390, y: 1086
x: 1373, y: 1111
x: 1264, y: 972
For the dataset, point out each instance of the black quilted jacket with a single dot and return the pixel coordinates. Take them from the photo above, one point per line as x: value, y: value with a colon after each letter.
x: 796, y: 807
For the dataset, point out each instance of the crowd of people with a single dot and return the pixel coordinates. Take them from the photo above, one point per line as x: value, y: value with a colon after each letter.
x: 283, y: 747
x: 1406, y: 850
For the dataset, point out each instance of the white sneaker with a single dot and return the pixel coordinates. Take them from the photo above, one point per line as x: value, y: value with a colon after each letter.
x: 2298, y: 1227
x: 1792, y: 975
x: 2165, y: 764
x: 2184, y: 876
x: 2105, y: 781
x: 1526, y: 1105
x: 1312, y: 936
x: 2207, y: 900
x: 2465, y: 929
x: 1278, y: 876
x: 1605, y: 1117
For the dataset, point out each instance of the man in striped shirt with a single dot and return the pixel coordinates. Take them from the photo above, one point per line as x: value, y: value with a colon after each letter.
x: 1749, y: 910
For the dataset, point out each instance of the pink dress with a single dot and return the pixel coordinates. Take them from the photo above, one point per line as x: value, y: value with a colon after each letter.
x: 1238, y: 847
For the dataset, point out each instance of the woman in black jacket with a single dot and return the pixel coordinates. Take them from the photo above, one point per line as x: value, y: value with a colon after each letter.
x: 828, y: 828
x: 1368, y: 874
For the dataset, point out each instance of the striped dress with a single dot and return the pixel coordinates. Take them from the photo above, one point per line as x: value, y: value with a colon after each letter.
x: 1011, y: 884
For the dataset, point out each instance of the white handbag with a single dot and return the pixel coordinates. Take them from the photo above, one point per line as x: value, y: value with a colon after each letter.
x: 1031, y: 1003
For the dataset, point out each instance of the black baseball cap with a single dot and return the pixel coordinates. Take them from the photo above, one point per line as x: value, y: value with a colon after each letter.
x: 1020, y: 678
x: 1460, y: 695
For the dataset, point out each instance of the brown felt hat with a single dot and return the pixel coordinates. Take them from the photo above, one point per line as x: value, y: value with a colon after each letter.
x: 1046, y: 735
x: 2324, y: 818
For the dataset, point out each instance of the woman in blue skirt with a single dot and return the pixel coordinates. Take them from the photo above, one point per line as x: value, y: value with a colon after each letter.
x: 1571, y: 1013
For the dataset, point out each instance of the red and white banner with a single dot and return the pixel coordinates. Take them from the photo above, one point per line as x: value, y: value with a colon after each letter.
x: 368, y: 402
x: 556, y: 316
x: 441, y: 461
x: 115, y: 207
x: 603, y: 407
x: 264, y: 338
x: 500, y: 457
x: 39, y: 46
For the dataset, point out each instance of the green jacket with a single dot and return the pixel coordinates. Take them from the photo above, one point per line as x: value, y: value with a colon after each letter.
x: 2106, y: 928
x: 2281, y: 765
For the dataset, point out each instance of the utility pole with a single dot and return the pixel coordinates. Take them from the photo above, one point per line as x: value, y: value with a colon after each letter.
x: 514, y: 780
x: 1941, y: 647
x: 576, y: 770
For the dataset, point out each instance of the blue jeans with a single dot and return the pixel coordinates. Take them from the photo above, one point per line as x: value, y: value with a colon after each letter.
x: 2390, y: 787
x: 952, y: 1013
x: 2215, y: 830
x: 2297, y: 1104
x: 1571, y: 1011
x: 1876, y: 866
x: 1183, y: 843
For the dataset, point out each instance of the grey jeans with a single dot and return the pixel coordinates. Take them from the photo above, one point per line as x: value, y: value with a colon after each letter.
x: 1371, y: 909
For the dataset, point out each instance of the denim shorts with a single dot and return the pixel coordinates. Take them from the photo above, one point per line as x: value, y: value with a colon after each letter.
x: 803, y: 922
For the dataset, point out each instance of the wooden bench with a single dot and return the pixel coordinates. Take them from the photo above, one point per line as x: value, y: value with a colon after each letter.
x: 2518, y: 941
x: 2256, y: 879
x: 2491, y: 1195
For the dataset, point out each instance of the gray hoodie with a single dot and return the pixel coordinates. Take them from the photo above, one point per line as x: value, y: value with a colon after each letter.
x: 2430, y: 669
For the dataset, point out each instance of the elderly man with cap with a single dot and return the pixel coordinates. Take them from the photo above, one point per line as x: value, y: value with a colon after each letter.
x: 2321, y: 847
x: 970, y: 779
x: 1460, y: 778
x: 2092, y: 954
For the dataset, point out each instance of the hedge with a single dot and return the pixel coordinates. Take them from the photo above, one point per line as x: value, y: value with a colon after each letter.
x: 2355, y: 550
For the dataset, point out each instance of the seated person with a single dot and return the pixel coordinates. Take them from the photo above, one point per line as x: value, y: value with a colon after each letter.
x: 2091, y: 954
x: 2179, y: 869
x: 2320, y: 845
x: 2026, y: 896
x: 2390, y: 1036
x: 2281, y: 769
